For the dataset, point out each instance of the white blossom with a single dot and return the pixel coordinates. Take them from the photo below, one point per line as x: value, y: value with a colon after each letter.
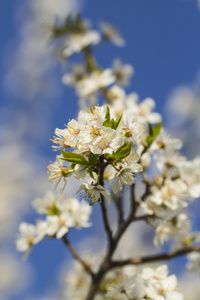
x: 164, y: 140
x: 171, y: 194
x: 78, y: 41
x: 125, y: 176
x: 190, y: 174
x: 111, y: 33
x: 59, y: 224
x: 122, y: 72
x: 94, y: 192
x: 29, y: 235
x: 143, y: 110
x: 57, y: 171
x: 44, y: 204
x: 133, y: 130
x: 194, y: 262
x: 97, y: 80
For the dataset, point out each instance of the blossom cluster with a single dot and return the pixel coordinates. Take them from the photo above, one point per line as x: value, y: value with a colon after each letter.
x: 177, y: 181
x: 122, y: 284
x: 61, y: 215
x: 99, y: 141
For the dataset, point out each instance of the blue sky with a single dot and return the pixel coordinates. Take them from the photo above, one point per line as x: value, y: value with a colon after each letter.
x: 162, y: 43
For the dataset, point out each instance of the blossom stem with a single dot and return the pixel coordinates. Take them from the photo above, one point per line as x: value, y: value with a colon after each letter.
x: 75, y: 254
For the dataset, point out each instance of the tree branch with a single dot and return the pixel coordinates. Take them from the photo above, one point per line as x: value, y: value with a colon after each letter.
x: 119, y: 206
x: 75, y: 254
x: 153, y: 258
x: 102, y: 200
x: 105, y: 219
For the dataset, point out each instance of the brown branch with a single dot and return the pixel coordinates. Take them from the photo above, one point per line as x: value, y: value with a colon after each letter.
x: 105, y: 219
x: 133, y: 201
x: 119, y: 206
x: 75, y: 254
x: 102, y: 200
x: 142, y: 217
x: 153, y: 258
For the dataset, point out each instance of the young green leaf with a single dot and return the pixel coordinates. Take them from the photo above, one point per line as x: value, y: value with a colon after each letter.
x: 92, y: 158
x: 74, y: 158
x: 153, y: 133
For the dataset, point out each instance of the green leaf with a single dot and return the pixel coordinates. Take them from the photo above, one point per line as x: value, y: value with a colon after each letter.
x: 107, y: 124
x: 116, y: 123
x: 74, y: 158
x: 111, y: 123
x: 122, y: 152
x: 107, y: 117
x: 153, y: 133
x: 92, y: 158
x: 90, y: 173
x: 157, y: 128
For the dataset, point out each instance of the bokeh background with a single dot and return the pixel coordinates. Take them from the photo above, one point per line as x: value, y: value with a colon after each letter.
x: 163, y: 45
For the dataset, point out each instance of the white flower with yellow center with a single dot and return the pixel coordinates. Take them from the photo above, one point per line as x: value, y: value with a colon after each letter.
x: 73, y: 133
x: 60, y: 139
x: 132, y: 130
x: 106, y: 141
x: 57, y: 171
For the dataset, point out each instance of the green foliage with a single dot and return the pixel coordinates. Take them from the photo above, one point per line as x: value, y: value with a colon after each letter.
x: 71, y: 24
x: 122, y: 152
x: 74, y: 158
x: 153, y: 133
x: 111, y: 123
x: 92, y: 158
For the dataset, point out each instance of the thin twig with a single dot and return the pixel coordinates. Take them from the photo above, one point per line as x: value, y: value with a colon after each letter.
x: 153, y: 258
x: 102, y: 200
x: 75, y: 254
x: 133, y: 200
x: 119, y: 206
x: 105, y: 219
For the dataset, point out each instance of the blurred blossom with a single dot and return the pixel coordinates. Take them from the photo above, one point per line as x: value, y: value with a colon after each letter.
x: 189, y: 286
x: 13, y: 274
x: 30, y: 74
x: 183, y: 110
